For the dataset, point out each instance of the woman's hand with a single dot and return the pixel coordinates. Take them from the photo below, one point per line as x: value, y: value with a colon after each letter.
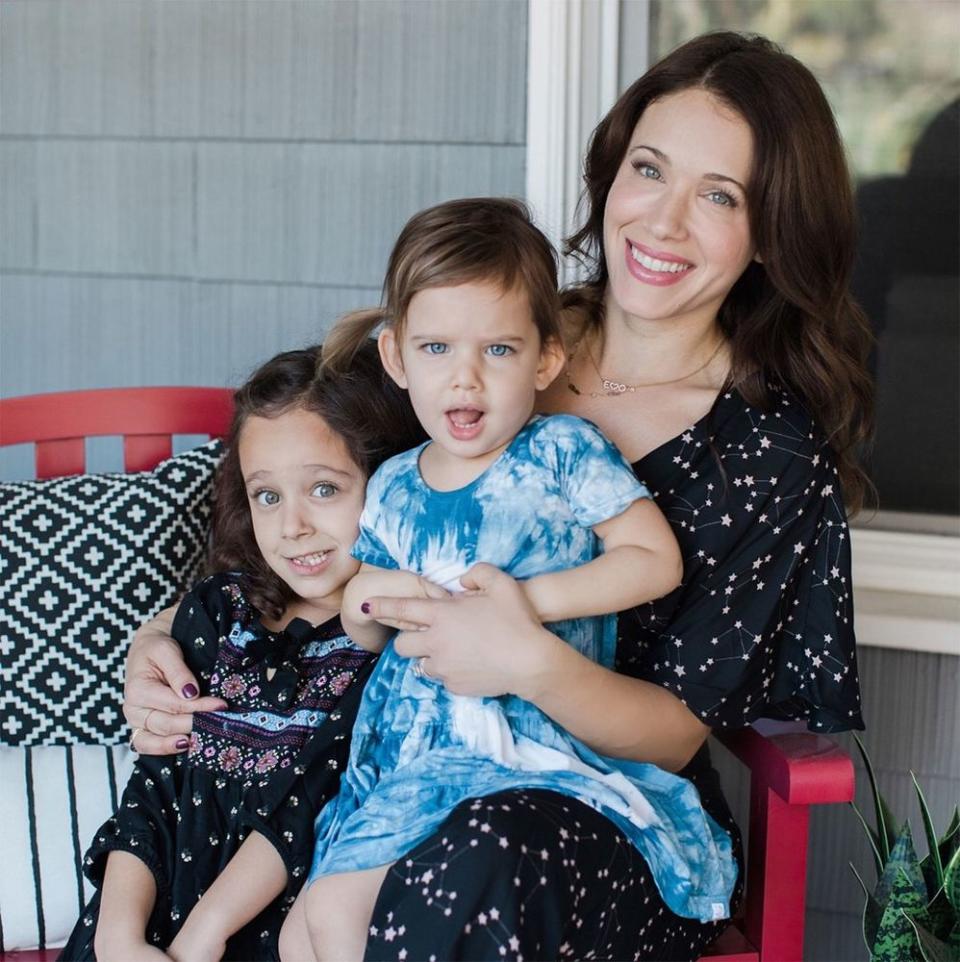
x: 159, y: 692
x: 486, y: 641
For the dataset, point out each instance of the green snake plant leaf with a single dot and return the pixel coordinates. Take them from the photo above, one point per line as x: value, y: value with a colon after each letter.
x: 871, y: 838
x: 896, y: 939
x: 933, y: 846
x: 937, y: 917
x: 872, y: 913
x: 885, y: 832
x: 931, y: 948
x: 903, y: 859
x: 951, y: 882
x: 950, y: 843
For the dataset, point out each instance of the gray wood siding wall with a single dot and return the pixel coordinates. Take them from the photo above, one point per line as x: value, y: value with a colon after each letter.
x: 189, y: 187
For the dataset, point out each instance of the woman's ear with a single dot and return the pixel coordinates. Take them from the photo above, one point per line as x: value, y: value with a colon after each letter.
x: 552, y: 359
x: 390, y: 356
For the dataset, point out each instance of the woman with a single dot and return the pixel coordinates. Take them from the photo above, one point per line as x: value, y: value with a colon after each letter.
x: 716, y: 344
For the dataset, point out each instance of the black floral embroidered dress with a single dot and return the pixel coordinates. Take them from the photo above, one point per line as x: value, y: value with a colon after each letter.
x: 268, y: 763
x: 762, y: 626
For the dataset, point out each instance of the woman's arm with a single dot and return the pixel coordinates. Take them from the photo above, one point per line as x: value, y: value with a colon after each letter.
x: 251, y: 880
x: 641, y: 561
x: 160, y: 692
x: 490, y: 642
x: 126, y: 901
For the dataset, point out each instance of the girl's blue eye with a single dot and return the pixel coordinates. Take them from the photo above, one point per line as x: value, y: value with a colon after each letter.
x: 324, y: 490
x: 435, y: 347
x: 266, y: 498
x: 499, y: 350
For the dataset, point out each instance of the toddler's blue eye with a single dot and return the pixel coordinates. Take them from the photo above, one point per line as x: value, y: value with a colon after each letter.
x: 267, y: 498
x: 500, y: 350
x: 435, y: 347
x: 324, y: 490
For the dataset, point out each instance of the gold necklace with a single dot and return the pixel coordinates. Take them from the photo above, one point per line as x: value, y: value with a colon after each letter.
x: 613, y: 388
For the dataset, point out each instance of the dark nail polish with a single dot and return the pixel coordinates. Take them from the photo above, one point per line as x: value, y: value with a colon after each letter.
x: 365, y: 607
x: 190, y: 691
x: 182, y: 743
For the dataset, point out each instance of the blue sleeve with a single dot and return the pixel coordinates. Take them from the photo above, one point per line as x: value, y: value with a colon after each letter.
x: 369, y: 547
x: 597, y: 481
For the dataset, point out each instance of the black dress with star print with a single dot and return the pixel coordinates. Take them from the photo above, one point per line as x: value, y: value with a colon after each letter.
x: 268, y: 763
x: 762, y: 626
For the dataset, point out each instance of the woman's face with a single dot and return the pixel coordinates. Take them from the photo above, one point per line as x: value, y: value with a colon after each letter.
x: 676, y: 233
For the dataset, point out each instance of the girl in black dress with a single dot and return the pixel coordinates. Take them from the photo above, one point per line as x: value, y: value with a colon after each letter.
x: 209, y: 848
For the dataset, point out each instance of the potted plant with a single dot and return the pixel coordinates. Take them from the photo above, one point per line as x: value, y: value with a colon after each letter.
x: 913, y: 913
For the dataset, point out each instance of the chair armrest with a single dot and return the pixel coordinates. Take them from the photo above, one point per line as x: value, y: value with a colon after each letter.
x: 803, y: 768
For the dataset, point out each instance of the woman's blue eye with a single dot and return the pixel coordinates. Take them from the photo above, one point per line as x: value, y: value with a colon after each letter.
x: 500, y: 350
x: 646, y: 170
x: 435, y: 347
x: 267, y: 498
x: 722, y: 198
x: 324, y: 490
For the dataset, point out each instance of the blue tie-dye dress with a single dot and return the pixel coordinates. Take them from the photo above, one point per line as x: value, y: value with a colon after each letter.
x: 418, y: 750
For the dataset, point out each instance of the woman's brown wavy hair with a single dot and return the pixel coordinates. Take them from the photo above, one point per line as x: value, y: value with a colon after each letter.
x: 791, y: 319
x: 362, y: 405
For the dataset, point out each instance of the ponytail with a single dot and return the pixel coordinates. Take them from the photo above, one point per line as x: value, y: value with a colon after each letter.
x: 347, y: 336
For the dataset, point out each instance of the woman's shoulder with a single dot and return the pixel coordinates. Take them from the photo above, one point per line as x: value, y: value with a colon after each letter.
x: 777, y: 426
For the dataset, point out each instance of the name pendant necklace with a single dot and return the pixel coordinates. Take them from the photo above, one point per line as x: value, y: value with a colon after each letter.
x: 612, y: 388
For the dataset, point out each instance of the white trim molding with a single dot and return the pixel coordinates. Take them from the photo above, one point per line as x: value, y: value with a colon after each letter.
x: 572, y: 64
x: 907, y: 590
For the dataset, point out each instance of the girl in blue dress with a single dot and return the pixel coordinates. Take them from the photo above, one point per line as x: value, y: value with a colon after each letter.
x: 471, y: 330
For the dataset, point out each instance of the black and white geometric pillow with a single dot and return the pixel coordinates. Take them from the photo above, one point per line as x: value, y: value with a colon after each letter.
x: 83, y: 562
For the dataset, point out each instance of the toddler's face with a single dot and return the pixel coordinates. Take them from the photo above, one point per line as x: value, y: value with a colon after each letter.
x: 472, y: 361
x: 305, y: 494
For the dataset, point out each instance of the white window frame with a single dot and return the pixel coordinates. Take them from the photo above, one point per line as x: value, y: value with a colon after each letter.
x: 906, y: 583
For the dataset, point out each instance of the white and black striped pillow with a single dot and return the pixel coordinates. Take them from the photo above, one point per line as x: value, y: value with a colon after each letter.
x: 52, y: 800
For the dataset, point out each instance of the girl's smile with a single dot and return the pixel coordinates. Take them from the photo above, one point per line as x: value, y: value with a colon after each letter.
x: 305, y: 493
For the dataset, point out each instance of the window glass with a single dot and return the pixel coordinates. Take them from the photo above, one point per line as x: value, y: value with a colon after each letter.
x: 890, y: 70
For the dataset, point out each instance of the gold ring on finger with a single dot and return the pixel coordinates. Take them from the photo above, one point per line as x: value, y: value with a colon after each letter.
x: 133, y: 738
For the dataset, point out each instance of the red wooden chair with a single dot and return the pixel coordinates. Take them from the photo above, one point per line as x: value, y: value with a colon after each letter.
x: 789, y: 770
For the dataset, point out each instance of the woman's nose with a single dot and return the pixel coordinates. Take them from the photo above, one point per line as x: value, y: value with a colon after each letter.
x: 668, y: 217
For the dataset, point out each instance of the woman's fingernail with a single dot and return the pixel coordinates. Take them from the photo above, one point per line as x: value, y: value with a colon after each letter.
x: 365, y: 607
x: 182, y: 743
x: 189, y: 691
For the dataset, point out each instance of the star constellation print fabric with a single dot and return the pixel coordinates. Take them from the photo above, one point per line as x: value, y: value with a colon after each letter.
x: 419, y: 750
x: 762, y: 625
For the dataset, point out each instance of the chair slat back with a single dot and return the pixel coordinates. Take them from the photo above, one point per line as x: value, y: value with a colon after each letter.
x: 146, y: 418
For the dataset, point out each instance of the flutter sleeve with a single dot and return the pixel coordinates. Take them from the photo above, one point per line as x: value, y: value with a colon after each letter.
x: 763, y: 623
x: 597, y: 482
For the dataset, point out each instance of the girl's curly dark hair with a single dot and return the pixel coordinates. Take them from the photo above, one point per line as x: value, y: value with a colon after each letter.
x: 362, y: 405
